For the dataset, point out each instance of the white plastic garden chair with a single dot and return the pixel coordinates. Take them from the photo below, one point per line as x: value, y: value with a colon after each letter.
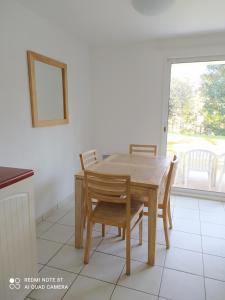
x: 201, y: 160
x: 222, y: 172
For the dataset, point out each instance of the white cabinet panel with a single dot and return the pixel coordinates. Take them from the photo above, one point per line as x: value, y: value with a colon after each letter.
x: 17, y: 239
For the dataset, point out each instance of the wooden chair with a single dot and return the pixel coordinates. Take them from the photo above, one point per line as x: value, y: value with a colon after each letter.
x: 222, y: 171
x: 164, y: 199
x: 114, y: 207
x: 143, y: 149
x: 88, y: 158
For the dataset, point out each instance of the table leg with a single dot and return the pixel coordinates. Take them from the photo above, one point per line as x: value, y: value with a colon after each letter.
x: 152, y: 222
x: 79, y: 213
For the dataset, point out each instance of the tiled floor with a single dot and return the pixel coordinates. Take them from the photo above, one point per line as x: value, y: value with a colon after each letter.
x: 192, y: 269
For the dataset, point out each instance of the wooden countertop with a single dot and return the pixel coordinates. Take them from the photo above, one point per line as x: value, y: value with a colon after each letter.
x: 9, y: 176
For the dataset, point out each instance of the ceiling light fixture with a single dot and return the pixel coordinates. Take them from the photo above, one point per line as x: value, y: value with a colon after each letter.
x: 151, y: 7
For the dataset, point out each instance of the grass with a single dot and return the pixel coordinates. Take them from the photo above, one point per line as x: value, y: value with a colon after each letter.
x: 182, y: 143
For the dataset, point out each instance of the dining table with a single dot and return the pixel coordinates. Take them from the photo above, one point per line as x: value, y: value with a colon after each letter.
x: 148, y: 176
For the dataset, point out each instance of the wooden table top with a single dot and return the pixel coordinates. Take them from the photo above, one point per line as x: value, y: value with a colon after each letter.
x: 144, y: 170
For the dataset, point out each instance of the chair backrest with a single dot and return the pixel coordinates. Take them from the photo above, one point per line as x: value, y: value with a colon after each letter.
x: 222, y: 156
x: 88, y: 158
x: 143, y: 149
x: 200, y: 160
x: 107, y: 188
x: 170, y: 180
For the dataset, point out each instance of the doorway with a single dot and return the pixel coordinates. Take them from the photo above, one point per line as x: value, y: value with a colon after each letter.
x: 196, y: 125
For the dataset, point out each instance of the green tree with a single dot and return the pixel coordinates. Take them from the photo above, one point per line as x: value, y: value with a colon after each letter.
x: 213, y: 93
x: 182, y: 116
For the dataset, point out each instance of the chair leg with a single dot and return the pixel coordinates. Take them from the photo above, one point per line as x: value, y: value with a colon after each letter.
x: 85, y: 214
x: 123, y: 233
x: 103, y: 230
x: 119, y: 231
x: 84, y: 221
x: 128, y: 250
x: 140, y: 232
x: 88, y: 242
x: 165, y: 225
x: 169, y: 216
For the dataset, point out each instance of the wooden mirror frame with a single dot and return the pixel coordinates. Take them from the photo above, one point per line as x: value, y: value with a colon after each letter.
x: 36, y: 122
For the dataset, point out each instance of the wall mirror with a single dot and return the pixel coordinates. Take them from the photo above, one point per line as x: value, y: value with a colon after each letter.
x: 48, y: 90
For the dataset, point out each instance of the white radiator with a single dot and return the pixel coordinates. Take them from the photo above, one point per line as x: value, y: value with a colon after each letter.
x: 17, y: 239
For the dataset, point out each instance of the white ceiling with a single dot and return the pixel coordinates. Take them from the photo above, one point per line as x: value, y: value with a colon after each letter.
x: 116, y: 21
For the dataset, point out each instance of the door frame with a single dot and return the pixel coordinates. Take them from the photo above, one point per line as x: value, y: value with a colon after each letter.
x: 165, y: 114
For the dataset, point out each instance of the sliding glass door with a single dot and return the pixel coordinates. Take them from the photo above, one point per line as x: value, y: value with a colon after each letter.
x: 196, y: 124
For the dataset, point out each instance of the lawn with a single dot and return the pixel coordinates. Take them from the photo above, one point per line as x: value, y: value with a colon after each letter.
x: 180, y: 143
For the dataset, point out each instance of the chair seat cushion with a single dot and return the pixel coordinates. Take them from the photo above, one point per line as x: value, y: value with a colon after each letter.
x: 115, y: 214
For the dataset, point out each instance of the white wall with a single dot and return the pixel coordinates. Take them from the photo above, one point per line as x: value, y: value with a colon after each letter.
x: 128, y: 86
x: 51, y: 151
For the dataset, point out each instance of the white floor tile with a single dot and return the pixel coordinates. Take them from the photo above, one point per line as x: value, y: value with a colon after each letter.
x: 185, y: 241
x: 160, y: 237
x: 89, y: 289
x: 122, y: 293
x: 144, y: 281
x: 215, y: 290
x: 140, y: 253
x: 104, y: 267
x: 143, y: 278
x: 68, y: 219
x: 185, y: 202
x: 184, y: 260
x: 113, y: 245
x: 58, y: 233
x: 211, y: 206
x: 182, y: 286
x: 214, y: 267
x: 69, y: 259
x: 98, y: 227
x: 52, y: 294
x: 96, y: 239
x: 42, y: 227
x: 112, y: 230
x: 190, y: 226
x: 213, y: 246
x: 57, y: 214
x: 213, y: 230
x: 116, y: 246
x: 186, y: 213
x: 39, y: 267
x: 46, y: 249
x: 216, y: 218
x: 68, y: 205
x: 159, y: 224
x: 135, y: 232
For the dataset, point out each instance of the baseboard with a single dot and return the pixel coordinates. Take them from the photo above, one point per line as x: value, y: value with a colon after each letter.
x: 215, y: 196
x: 67, y: 200
x: 60, y: 204
x: 46, y: 214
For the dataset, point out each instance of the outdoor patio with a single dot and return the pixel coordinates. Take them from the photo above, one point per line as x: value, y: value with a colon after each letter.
x: 200, y: 179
